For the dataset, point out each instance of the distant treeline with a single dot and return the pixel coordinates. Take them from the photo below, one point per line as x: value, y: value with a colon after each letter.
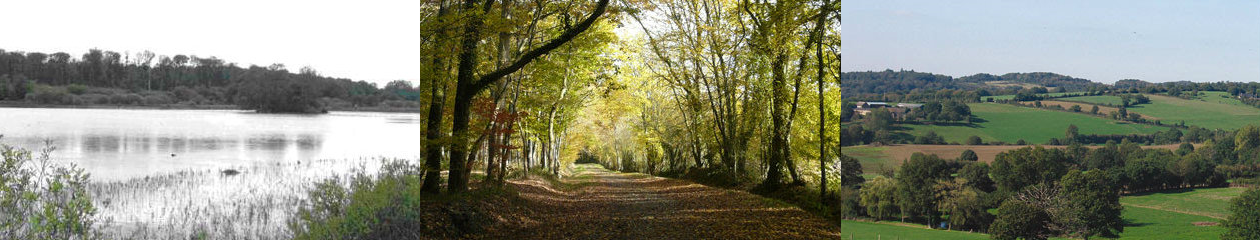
x: 106, y: 77
x: 904, y: 85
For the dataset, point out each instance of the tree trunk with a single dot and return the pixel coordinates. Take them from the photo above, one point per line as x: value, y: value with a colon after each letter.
x: 469, y: 86
x: 778, y: 139
x: 822, y: 116
x: 433, y: 130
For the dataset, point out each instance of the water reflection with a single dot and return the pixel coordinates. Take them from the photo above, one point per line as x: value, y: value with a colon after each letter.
x: 118, y: 144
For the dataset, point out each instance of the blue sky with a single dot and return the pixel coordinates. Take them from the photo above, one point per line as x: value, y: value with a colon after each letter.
x: 1104, y: 41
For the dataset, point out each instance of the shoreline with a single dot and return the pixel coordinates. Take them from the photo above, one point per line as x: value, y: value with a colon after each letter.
x: 23, y: 104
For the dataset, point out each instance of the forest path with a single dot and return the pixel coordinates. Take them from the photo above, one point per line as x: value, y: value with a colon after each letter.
x: 600, y: 204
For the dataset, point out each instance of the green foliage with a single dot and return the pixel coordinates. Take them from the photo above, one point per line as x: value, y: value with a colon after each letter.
x: 1017, y: 219
x: 977, y: 176
x: 968, y: 155
x: 963, y: 204
x: 850, y: 171
x: 879, y: 196
x: 974, y: 140
x: 1013, y: 170
x: 916, y: 182
x: 42, y: 200
x: 389, y: 205
x: 1094, y: 202
x: 878, y: 120
x: 929, y: 138
x: 1244, y: 223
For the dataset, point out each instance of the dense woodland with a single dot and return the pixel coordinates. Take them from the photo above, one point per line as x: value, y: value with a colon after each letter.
x: 145, y: 78
x: 532, y: 84
x: 906, y: 85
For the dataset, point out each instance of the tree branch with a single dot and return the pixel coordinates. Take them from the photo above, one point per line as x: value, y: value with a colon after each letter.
x: 565, y: 37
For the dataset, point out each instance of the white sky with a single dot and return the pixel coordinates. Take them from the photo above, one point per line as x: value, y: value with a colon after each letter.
x: 373, y: 40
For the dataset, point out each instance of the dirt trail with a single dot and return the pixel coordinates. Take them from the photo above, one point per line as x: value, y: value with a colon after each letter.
x: 600, y: 204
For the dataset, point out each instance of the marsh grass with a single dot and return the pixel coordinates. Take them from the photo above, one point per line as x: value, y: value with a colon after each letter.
x: 255, y: 203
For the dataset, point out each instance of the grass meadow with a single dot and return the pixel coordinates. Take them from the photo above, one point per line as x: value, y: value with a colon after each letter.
x: 1177, y: 214
x: 897, y: 230
x: 1212, y: 110
x: 1209, y: 202
x: 1007, y: 123
x: 1009, y: 97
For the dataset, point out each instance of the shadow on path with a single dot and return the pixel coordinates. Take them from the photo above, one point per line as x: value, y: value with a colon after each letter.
x: 611, y: 205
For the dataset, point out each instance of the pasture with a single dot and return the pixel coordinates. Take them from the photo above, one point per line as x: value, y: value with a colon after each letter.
x: 1147, y: 223
x: 1153, y: 220
x: 1007, y: 123
x: 1210, y: 110
x: 1208, y: 202
x: 1048, y: 95
x: 895, y: 230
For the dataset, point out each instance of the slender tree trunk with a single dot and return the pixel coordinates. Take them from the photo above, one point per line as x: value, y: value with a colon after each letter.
x: 433, y: 130
x: 778, y: 141
x: 822, y: 116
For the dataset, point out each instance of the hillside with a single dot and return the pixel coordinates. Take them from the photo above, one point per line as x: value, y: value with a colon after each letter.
x: 1007, y: 123
x: 1212, y: 110
x: 903, y: 81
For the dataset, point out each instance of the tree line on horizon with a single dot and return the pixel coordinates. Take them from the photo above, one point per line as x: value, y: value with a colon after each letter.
x: 107, y: 77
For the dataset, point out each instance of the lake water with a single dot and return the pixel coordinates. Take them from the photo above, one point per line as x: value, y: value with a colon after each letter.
x: 119, y: 144
x: 156, y: 173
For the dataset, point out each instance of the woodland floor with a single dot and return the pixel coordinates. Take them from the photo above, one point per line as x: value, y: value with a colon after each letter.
x: 600, y: 204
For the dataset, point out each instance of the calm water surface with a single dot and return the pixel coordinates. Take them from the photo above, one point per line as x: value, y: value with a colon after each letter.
x: 114, y: 144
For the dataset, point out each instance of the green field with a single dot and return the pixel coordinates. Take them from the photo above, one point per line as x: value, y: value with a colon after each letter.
x: 1145, y: 223
x: 1161, y: 222
x: 1222, y: 98
x: 1009, y: 97
x: 873, y: 159
x: 1209, y: 111
x: 870, y: 230
x: 1001, y: 122
x: 1104, y: 99
x: 1211, y: 202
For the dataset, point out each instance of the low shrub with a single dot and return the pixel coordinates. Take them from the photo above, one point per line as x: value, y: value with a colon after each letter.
x: 50, y: 95
x: 389, y: 205
x: 43, y: 200
x: 76, y: 89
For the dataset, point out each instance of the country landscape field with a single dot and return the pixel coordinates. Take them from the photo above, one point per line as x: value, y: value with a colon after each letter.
x: 1049, y: 120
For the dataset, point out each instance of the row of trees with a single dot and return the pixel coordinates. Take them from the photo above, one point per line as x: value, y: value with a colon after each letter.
x: 210, y: 80
x: 871, y: 85
x: 1039, y: 192
x: 473, y: 53
x: 727, y: 87
x: 949, y: 111
x: 727, y: 90
x: 1044, y: 192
